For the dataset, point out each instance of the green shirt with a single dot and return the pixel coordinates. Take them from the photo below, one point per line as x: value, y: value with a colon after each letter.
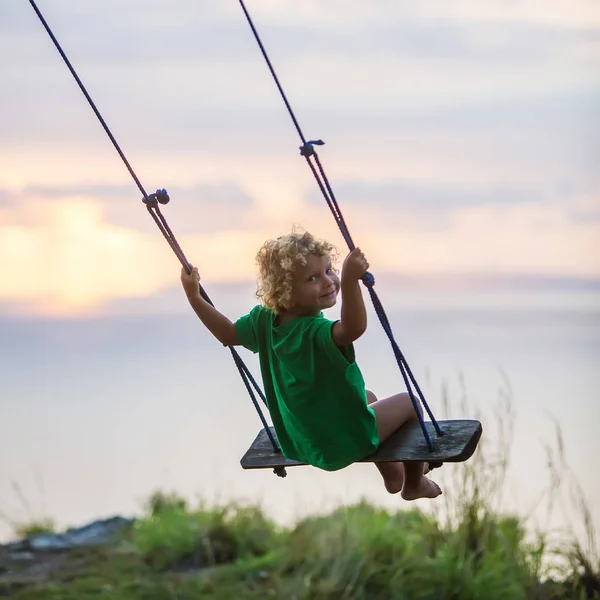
x: 315, y: 390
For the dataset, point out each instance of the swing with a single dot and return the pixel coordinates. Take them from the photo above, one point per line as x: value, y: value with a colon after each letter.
x: 455, y: 440
x: 407, y: 444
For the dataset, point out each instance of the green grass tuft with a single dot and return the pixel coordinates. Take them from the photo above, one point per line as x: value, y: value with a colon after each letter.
x: 176, y: 538
x: 35, y: 527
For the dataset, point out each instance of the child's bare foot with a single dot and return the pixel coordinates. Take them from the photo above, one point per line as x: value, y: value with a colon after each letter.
x: 394, y: 479
x: 425, y: 488
x: 393, y: 485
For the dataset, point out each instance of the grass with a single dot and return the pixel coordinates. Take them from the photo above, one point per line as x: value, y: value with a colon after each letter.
x: 467, y: 548
x: 173, y: 536
x: 34, y: 524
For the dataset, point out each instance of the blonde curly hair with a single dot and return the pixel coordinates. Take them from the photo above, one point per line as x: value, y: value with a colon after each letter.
x: 277, y: 260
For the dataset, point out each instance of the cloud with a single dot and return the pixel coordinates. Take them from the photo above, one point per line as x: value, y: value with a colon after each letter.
x: 7, y: 199
x: 586, y: 209
x: 468, y: 122
x: 107, y: 193
x: 202, y: 208
x: 449, y: 42
x: 65, y: 261
x: 431, y: 206
x: 189, y: 31
x: 206, y: 45
x: 406, y: 196
x: 561, y: 13
x: 515, y: 240
x: 581, y: 14
x: 65, y: 258
x: 379, y: 69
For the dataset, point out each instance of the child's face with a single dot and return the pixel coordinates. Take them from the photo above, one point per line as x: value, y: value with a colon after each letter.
x: 315, y: 286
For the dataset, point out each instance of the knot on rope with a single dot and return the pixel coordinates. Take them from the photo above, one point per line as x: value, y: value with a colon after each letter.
x: 308, y: 150
x: 280, y: 471
x: 160, y: 196
x: 368, y: 279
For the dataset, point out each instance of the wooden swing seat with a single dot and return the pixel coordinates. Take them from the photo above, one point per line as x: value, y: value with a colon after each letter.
x: 408, y: 444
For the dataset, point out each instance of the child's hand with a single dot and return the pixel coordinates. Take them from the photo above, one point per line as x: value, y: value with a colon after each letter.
x: 355, y: 266
x: 190, y: 282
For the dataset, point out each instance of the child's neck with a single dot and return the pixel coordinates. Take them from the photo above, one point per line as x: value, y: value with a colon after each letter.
x: 295, y: 313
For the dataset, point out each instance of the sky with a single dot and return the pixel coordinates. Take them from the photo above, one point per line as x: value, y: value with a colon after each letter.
x: 462, y: 140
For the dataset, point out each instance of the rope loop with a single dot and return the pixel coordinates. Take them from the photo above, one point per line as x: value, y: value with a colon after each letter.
x: 307, y: 149
x: 159, y: 197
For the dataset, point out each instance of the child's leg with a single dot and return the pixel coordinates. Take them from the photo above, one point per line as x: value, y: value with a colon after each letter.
x: 392, y: 472
x: 391, y: 413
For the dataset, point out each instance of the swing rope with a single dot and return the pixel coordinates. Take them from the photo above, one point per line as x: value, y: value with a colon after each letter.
x: 308, y: 151
x: 152, y: 202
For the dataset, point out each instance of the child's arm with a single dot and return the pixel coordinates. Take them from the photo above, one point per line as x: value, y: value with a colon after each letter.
x: 353, y: 322
x: 219, y: 325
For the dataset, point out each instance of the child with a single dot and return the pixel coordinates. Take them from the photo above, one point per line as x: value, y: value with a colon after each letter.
x: 320, y: 409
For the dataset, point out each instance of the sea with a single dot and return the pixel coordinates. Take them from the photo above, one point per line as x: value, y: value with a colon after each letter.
x: 97, y: 413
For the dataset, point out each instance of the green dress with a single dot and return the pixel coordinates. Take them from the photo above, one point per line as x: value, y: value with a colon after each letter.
x: 315, y: 390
